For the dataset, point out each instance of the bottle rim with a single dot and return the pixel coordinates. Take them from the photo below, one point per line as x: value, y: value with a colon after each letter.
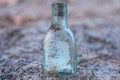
x: 62, y: 4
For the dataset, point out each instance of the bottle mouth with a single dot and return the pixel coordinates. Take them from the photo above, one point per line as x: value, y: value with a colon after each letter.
x: 59, y: 8
x: 59, y: 4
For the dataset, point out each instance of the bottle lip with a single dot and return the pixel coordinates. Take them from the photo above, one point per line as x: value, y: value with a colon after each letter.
x: 59, y: 8
x: 62, y: 4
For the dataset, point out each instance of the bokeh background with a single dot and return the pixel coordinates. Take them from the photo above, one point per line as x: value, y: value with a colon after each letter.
x: 21, y: 12
x: 95, y: 24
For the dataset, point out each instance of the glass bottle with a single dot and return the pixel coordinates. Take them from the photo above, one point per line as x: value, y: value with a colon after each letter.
x: 59, y: 45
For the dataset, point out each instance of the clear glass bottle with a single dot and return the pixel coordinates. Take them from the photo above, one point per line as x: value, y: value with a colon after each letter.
x: 59, y: 45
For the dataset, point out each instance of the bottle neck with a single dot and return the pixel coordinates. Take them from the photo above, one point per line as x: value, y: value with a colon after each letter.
x: 60, y: 21
x: 59, y: 14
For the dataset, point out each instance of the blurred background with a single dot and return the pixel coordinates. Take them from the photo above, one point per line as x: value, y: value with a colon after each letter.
x: 95, y: 24
x: 21, y: 12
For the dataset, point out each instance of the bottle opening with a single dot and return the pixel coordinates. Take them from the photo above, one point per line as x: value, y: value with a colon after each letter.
x: 59, y: 8
x: 61, y: 4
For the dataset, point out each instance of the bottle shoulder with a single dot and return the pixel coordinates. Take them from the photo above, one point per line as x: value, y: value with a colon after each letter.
x: 59, y: 34
x: 68, y: 31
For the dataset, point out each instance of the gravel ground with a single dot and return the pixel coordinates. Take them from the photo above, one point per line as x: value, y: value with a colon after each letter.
x: 23, y: 27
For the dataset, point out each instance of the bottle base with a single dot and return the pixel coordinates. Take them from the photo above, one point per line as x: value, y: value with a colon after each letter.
x: 58, y: 74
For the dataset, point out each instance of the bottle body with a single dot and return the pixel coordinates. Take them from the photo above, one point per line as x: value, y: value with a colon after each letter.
x: 59, y: 51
